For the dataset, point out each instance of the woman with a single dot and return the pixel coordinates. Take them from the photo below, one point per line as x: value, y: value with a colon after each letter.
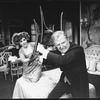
x: 30, y: 73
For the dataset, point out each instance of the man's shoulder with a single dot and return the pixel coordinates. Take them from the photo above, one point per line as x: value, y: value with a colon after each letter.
x: 75, y: 46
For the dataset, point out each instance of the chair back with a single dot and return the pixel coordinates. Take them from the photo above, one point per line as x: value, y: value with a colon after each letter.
x: 4, y: 62
x: 93, y: 52
x: 16, y: 68
x: 5, y: 56
x: 0, y: 58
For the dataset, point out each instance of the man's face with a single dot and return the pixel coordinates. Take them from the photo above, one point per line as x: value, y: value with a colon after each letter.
x: 62, y: 43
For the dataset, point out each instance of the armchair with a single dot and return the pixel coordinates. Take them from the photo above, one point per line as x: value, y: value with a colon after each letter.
x: 92, y: 55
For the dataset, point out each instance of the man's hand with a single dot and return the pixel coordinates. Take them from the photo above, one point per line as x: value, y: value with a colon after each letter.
x: 40, y: 48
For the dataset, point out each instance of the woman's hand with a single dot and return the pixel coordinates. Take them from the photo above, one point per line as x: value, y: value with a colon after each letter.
x: 29, y: 56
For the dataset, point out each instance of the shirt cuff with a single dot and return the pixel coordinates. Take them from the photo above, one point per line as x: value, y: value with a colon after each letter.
x: 45, y: 54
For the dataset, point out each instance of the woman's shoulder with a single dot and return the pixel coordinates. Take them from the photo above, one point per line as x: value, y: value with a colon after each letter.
x: 31, y: 43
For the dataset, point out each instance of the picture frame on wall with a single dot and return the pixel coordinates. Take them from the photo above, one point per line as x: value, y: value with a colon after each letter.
x: 90, y: 23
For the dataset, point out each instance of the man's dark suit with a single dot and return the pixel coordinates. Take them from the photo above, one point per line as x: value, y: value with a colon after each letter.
x: 73, y: 66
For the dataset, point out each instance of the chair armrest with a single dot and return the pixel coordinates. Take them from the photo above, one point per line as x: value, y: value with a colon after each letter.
x: 95, y: 73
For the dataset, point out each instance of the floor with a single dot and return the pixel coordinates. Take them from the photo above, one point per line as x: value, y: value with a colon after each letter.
x: 6, y: 86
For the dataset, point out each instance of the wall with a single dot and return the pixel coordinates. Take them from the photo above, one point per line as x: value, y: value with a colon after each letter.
x: 30, y: 9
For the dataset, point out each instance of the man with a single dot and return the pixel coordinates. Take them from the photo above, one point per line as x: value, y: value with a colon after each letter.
x: 71, y: 60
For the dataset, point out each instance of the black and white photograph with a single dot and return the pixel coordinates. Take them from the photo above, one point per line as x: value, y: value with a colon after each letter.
x: 49, y: 49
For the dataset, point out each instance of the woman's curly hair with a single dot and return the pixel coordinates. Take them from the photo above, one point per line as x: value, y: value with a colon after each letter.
x: 18, y: 36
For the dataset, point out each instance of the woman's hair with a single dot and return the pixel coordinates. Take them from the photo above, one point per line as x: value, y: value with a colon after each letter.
x: 56, y: 35
x: 18, y: 36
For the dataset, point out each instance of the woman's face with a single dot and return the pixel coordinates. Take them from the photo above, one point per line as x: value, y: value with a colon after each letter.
x: 23, y: 42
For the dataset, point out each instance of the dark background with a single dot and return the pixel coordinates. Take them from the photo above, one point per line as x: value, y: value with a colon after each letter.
x: 27, y: 10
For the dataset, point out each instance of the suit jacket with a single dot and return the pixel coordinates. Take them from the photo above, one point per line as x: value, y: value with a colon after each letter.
x: 73, y: 66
